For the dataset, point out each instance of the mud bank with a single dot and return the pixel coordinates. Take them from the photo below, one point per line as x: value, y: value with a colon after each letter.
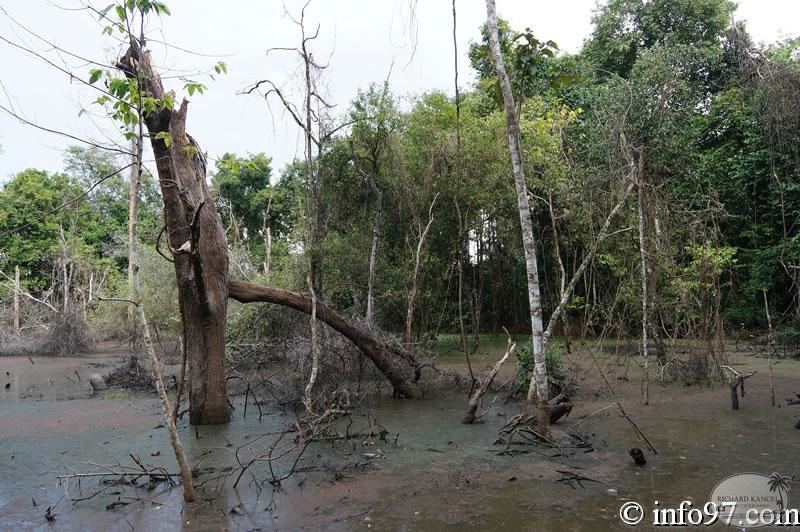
x: 431, y: 471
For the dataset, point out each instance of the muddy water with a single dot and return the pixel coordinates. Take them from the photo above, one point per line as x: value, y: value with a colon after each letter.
x: 431, y: 473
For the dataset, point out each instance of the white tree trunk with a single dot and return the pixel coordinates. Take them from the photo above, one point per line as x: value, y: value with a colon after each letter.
x: 373, y: 252
x: 16, y: 299
x: 538, y: 389
x: 643, y: 268
x: 308, y: 399
x: 423, y: 233
x: 133, y: 212
x: 267, y: 240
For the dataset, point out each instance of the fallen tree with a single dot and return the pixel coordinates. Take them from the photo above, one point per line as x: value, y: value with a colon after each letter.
x: 397, y: 364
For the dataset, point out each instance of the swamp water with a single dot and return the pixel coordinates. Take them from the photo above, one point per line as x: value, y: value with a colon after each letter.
x: 431, y: 472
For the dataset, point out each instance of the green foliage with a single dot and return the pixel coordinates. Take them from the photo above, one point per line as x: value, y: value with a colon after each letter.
x: 713, y: 124
x: 249, y: 202
x: 532, y: 65
x: 553, y: 363
x: 47, y: 218
x: 625, y: 29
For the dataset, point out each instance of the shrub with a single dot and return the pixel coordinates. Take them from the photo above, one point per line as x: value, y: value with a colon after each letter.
x: 555, y: 369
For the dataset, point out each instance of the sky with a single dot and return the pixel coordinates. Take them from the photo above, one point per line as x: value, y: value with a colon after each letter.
x: 361, y: 41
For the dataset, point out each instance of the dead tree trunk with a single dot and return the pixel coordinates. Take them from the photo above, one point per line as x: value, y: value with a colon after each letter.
x: 737, y: 384
x: 16, y: 299
x: 538, y: 388
x: 197, y: 240
x: 396, y: 364
x: 471, y: 417
x: 423, y: 233
x: 169, y: 418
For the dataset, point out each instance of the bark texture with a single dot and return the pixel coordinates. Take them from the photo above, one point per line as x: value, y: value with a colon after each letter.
x: 396, y: 364
x: 197, y: 240
x: 538, y: 390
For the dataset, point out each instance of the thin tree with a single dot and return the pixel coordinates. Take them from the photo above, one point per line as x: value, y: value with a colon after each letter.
x: 423, y: 233
x: 16, y: 299
x: 457, y: 205
x: 266, y: 229
x: 376, y: 226
x: 643, y: 273
x: 539, y: 390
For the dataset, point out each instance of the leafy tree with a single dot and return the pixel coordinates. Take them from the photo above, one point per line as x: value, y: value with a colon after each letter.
x: 624, y: 29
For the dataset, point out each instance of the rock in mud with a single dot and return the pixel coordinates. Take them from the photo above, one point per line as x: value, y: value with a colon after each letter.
x: 611, y: 492
x: 97, y: 382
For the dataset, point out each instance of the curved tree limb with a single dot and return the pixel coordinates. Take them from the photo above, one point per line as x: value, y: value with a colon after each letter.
x: 396, y: 364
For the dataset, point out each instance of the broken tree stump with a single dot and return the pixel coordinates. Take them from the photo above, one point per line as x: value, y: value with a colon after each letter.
x: 737, y: 383
x: 471, y: 417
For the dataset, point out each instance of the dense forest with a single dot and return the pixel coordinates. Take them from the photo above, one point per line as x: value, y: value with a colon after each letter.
x: 654, y: 179
x: 676, y: 97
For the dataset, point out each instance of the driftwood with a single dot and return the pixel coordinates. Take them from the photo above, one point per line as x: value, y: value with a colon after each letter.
x: 737, y: 382
x: 471, y: 417
x: 136, y: 475
x: 559, y: 407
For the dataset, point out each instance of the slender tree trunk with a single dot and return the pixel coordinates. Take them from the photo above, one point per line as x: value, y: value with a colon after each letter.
x: 268, y: 253
x: 538, y: 389
x: 133, y: 213
x: 461, y: 329
x: 376, y: 230
x: 197, y: 240
x: 65, y: 283
x: 177, y: 448
x: 267, y: 240
x: 562, y: 273
x: 769, y: 349
x: 373, y: 252
x: 462, y: 332
x: 644, y: 270
x: 65, y: 277
x: 423, y: 233
x: 16, y: 299
x: 312, y: 379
